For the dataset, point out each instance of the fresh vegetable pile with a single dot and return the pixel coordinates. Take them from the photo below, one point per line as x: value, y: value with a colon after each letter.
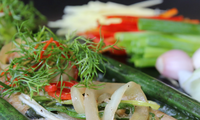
x: 54, y: 77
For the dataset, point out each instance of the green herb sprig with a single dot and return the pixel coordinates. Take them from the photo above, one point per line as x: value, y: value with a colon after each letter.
x: 30, y: 80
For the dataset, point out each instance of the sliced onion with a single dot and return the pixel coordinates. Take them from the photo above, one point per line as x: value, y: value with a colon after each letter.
x: 133, y: 92
x: 112, y: 105
x: 77, y: 99
x: 109, y: 88
x: 104, y: 98
x: 90, y: 102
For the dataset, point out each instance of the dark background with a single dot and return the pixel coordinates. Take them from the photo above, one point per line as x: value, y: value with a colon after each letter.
x: 53, y: 9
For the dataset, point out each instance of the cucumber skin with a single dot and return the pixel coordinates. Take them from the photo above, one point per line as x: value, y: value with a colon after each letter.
x: 8, y: 112
x: 119, y: 72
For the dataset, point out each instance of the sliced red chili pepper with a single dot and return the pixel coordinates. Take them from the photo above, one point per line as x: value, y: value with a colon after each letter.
x: 64, y: 90
x: 50, y: 88
x: 64, y: 96
x: 65, y: 83
x: 55, y: 88
x: 94, y: 33
x: 2, y: 73
x: 45, y: 47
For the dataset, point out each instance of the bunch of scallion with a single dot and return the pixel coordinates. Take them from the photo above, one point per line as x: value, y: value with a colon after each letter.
x: 158, y: 37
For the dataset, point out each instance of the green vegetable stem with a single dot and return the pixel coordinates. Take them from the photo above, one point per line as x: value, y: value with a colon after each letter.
x: 168, y: 26
x: 145, y: 47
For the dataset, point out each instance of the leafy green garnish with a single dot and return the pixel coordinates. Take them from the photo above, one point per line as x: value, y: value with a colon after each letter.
x: 15, y: 12
x: 71, y: 52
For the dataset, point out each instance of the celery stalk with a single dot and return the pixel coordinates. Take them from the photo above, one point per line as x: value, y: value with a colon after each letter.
x: 145, y: 47
x: 152, y: 52
x: 164, y: 42
x: 143, y: 62
x: 168, y: 26
x: 188, y: 38
x: 132, y: 36
x: 138, y: 50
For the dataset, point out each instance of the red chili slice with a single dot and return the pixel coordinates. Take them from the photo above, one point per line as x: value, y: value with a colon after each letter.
x: 64, y: 90
x: 65, y: 83
x: 50, y: 88
x: 54, y: 89
x: 64, y: 96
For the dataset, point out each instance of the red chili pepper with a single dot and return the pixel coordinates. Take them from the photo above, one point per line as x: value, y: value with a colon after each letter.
x: 65, y: 83
x: 8, y: 79
x: 50, y: 88
x: 64, y: 96
x: 94, y: 33
x: 54, y: 89
x: 45, y: 47
x: 64, y: 90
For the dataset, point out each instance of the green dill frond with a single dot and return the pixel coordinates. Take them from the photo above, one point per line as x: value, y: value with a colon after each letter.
x: 33, y: 70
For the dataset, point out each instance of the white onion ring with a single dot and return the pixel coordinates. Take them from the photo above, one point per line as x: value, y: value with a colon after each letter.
x: 90, y: 102
x: 77, y: 99
x: 133, y: 92
x: 112, y: 105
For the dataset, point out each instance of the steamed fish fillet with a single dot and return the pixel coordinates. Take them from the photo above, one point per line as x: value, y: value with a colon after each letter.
x: 17, y: 103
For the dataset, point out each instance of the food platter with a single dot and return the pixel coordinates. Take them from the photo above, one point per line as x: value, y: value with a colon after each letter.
x: 165, y: 92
